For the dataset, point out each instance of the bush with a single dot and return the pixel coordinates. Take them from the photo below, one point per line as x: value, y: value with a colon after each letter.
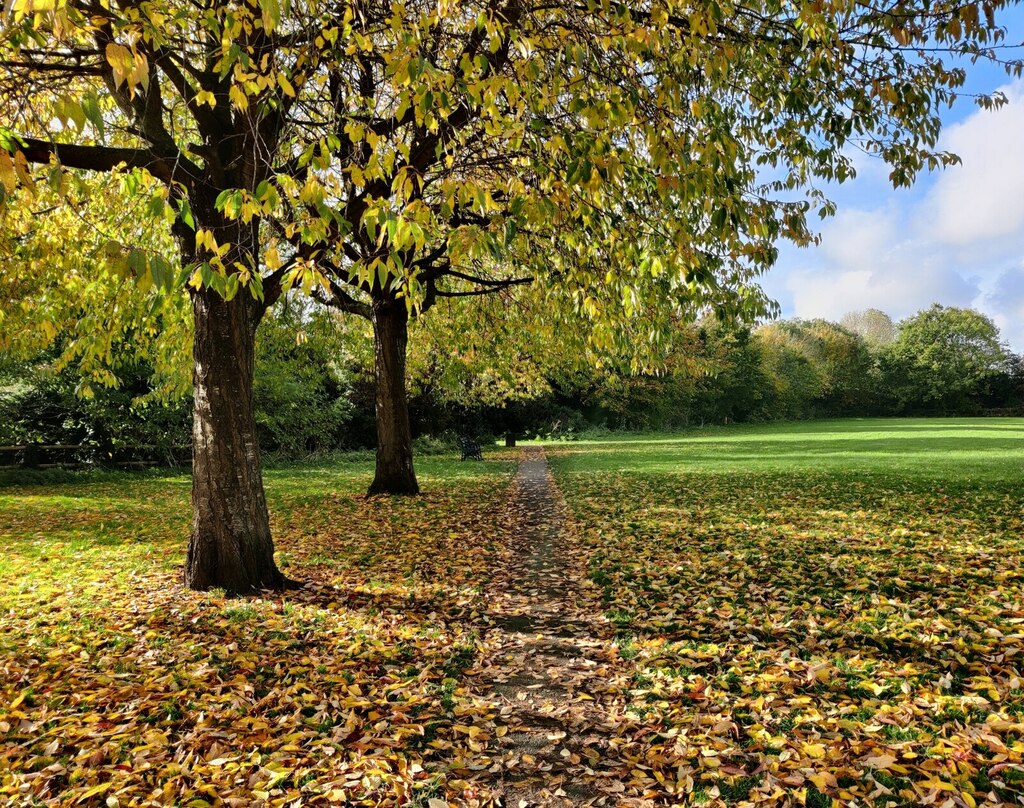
x: 45, y: 407
x: 302, y: 390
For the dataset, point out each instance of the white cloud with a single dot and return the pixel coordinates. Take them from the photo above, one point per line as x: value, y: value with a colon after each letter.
x: 855, y: 234
x: 984, y: 197
x: 957, y: 240
x: 1005, y: 302
x: 892, y: 288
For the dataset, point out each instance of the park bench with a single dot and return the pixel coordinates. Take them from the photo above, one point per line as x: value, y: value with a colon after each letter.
x: 470, y: 448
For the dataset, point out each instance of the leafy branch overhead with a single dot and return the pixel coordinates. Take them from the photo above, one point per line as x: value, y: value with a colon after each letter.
x: 635, y: 159
x: 623, y: 153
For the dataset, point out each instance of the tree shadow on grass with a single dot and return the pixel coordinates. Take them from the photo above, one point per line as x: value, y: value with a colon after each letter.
x: 435, y: 608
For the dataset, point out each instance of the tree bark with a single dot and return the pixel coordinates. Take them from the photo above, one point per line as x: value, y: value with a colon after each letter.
x: 394, y: 473
x: 510, y: 439
x: 230, y: 546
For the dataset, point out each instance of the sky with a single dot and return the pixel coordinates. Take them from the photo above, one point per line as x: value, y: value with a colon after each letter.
x: 955, y: 238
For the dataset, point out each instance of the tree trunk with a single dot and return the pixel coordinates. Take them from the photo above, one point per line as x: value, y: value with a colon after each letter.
x: 230, y: 546
x: 394, y: 473
x: 510, y: 439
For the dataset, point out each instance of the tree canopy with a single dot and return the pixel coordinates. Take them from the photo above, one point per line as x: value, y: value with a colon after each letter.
x: 383, y: 156
x: 876, y: 327
x: 405, y: 148
x: 943, y: 358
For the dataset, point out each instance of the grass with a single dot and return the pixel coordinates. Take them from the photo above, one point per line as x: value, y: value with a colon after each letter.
x: 61, y: 527
x: 821, y: 613
x: 964, y: 449
x: 836, y: 605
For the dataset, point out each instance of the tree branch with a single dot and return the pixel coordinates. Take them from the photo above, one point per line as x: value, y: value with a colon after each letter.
x: 342, y: 300
x: 99, y: 158
x: 447, y: 271
x: 496, y: 286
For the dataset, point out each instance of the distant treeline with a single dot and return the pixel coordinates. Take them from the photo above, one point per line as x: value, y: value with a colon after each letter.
x: 941, y: 361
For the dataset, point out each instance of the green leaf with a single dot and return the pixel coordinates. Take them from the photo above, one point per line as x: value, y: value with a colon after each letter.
x: 185, y: 213
x: 230, y: 286
x: 91, y: 107
x: 138, y: 264
x: 271, y: 10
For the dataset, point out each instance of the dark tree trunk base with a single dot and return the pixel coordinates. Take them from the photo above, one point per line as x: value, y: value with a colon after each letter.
x: 394, y: 472
x: 286, y: 585
x: 201, y: 577
x: 400, y: 487
x: 230, y: 547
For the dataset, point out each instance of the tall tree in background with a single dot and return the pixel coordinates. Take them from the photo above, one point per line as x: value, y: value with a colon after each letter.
x: 838, y: 364
x: 875, y: 327
x: 943, y: 360
x: 390, y: 155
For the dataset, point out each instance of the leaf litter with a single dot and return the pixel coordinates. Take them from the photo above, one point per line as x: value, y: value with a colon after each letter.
x: 117, y: 687
x: 656, y: 639
x: 813, y: 639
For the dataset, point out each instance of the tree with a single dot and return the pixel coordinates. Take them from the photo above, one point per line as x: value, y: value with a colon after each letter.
x: 875, y: 327
x: 44, y: 405
x: 166, y: 93
x: 63, y: 296
x: 736, y: 386
x: 839, y: 359
x: 795, y: 383
x: 98, y: 358
x: 1007, y: 390
x: 487, y: 360
x: 943, y: 360
x: 302, y: 384
x: 612, y: 151
x: 390, y: 155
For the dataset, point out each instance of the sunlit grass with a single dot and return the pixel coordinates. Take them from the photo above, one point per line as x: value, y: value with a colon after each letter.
x: 948, y: 449
x: 71, y: 524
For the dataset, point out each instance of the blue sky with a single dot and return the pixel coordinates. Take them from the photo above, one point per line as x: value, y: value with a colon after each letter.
x: 956, y: 237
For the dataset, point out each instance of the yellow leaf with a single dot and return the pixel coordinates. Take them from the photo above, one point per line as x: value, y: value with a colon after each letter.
x: 92, y: 792
x: 238, y: 97
x: 22, y: 170
x: 272, y: 258
x: 8, y: 176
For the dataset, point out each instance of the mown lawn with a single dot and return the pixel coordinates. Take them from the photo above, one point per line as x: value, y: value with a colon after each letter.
x: 816, y: 612
x: 119, y: 688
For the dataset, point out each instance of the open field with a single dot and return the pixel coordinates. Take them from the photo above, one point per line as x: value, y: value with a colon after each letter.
x: 960, y: 450
x: 834, y: 607
x: 819, y: 614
